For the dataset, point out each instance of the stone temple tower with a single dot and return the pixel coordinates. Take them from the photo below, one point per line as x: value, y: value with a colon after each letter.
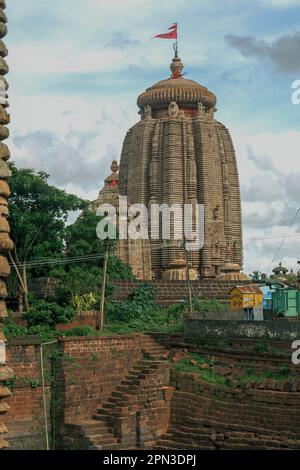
x: 178, y: 154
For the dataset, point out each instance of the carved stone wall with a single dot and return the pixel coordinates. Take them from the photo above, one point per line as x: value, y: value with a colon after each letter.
x: 5, y: 242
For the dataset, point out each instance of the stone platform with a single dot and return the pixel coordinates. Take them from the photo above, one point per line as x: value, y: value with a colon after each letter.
x: 173, y: 292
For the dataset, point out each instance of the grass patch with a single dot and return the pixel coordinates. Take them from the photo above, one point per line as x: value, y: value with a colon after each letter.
x: 281, y: 374
x: 261, y: 346
x: 192, y: 363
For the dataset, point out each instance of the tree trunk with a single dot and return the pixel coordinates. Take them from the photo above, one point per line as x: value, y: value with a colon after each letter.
x: 100, y: 317
x: 25, y: 292
x: 22, y: 277
x: 20, y: 301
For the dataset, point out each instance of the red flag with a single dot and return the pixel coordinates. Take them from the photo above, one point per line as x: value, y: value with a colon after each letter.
x: 171, y: 35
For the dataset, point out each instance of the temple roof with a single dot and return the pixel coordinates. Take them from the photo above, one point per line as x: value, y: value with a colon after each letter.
x: 280, y: 269
x: 177, y: 88
x: 113, y: 178
x: 110, y: 192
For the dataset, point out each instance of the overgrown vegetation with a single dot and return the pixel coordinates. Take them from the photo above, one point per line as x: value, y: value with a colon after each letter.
x: 193, y: 363
x: 140, y: 312
x: 206, y: 368
x: 205, y: 306
x: 49, y: 314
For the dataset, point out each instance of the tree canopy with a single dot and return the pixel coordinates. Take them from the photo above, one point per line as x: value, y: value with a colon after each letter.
x: 38, y: 215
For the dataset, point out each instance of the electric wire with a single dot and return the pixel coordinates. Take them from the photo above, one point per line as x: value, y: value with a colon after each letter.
x: 283, y: 240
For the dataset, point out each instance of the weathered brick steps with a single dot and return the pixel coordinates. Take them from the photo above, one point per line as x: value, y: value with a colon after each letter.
x: 209, y: 416
x: 239, y: 353
x: 178, y: 340
x: 246, y: 359
x: 141, y: 389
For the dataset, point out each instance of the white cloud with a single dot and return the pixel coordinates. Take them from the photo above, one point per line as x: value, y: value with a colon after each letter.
x: 281, y: 3
x: 32, y: 59
x: 269, y: 170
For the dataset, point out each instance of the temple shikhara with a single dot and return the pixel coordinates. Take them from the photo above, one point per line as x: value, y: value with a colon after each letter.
x: 180, y: 154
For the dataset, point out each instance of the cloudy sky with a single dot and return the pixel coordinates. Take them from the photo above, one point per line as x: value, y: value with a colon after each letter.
x: 76, y: 68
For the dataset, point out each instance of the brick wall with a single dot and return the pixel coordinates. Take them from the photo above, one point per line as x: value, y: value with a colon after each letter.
x: 113, y: 392
x: 91, y: 368
x: 87, y: 318
x: 25, y: 419
x: 86, y: 370
x: 212, y: 417
x: 172, y: 292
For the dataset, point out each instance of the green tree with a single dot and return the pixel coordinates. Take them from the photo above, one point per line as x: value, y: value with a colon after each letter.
x: 255, y: 275
x: 82, y: 240
x: 38, y: 216
x: 85, y: 277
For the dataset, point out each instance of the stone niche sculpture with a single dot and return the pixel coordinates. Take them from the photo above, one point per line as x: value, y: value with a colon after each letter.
x: 183, y: 155
x: 5, y: 241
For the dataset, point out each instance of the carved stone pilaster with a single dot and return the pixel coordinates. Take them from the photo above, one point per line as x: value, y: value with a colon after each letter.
x: 5, y: 241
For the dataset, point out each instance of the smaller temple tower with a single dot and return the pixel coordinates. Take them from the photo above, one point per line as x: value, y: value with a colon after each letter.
x: 109, y: 194
x: 135, y: 253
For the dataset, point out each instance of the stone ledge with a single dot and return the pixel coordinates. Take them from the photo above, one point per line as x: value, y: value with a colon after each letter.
x: 25, y: 341
x: 66, y: 339
x: 232, y: 329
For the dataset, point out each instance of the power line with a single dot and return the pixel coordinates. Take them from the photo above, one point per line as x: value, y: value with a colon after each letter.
x: 273, y: 237
x: 98, y: 256
x: 283, y: 240
x: 66, y: 260
x: 49, y: 261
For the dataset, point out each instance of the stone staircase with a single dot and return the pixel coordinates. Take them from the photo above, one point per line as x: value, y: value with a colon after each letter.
x: 115, y: 424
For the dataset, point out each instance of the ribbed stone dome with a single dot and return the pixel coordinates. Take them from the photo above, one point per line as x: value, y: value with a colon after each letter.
x: 177, y: 88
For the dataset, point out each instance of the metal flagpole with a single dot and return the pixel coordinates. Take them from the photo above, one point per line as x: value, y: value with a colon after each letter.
x: 175, y: 45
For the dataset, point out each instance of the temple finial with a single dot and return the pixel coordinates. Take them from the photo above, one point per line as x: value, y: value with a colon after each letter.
x: 114, y: 166
x: 176, y: 67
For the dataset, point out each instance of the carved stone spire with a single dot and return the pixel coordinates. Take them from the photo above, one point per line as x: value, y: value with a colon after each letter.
x: 177, y: 155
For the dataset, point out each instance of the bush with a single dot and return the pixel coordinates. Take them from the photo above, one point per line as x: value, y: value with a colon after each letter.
x: 141, y: 313
x: 140, y: 302
x: 45, y: 333
x: 84, y: 302
x: 208, y: 305
x: 143, y: 295
x: 48, y: 314
x: 12, y: 330
x: 81, y: 331
x: 177, y: 310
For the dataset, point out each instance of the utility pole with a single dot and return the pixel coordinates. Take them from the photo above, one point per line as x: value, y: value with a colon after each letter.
x: 100, y: 317
x: 182, y: 244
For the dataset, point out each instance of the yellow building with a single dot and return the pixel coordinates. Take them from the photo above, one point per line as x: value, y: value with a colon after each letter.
x: 248, y: 299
